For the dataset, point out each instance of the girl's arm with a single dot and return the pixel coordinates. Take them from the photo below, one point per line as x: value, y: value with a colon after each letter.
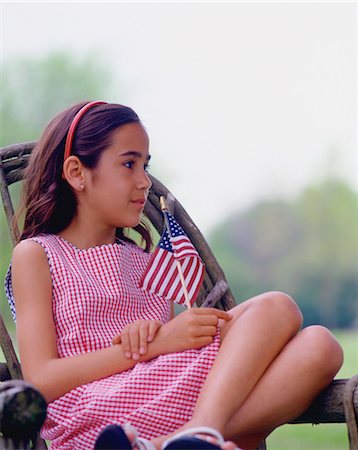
x: 40, y: 362
x: 55, y: 376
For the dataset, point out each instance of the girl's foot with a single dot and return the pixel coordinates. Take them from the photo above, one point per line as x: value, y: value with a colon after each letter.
x: 113, y: 437
x: 198, y: 438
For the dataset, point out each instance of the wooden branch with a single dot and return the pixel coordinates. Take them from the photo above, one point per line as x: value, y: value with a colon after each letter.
x: 9, y: 352
x: 13, y: 160
x: 171, y: 203
x: 216, y: 294
x: 4, y: 372
x: 15, y: 150
x: 9, y: 210
x: 328, y: 405
x: 351, y: 411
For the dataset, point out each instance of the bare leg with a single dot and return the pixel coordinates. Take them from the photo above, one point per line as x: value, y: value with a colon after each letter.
x: 251, y: 342
x: 307, y: 364
x: 260, y: 329
x: 273, y: 372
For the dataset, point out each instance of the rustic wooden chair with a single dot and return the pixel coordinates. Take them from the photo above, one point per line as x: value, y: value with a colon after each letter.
x: 22, y: 407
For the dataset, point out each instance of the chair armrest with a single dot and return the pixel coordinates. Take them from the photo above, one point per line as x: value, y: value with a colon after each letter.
x: 22, y: 411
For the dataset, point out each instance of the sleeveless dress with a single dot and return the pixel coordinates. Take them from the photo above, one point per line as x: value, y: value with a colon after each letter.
x: 95, y: 294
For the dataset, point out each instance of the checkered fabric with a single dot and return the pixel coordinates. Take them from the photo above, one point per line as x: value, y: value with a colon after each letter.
x: 95, y: 294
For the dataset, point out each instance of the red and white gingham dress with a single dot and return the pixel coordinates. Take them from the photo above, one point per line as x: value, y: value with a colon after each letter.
x: 95, y: 294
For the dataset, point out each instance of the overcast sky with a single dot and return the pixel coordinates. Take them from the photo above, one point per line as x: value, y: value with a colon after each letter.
x: 242, y: 101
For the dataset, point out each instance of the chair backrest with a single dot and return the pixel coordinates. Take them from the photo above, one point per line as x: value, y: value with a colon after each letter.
x: 215, y: 290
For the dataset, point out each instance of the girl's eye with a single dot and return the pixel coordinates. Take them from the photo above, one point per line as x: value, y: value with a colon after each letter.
x: 129, y: 164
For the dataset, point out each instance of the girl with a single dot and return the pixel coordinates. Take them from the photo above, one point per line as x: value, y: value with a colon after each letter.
x: 178, y: 381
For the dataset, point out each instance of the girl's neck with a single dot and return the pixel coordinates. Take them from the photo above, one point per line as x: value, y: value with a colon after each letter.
x: 84, y: 237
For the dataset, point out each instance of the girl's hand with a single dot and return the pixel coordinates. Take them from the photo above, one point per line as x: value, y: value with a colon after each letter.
x: 136, y: 336
x: 193, y: 328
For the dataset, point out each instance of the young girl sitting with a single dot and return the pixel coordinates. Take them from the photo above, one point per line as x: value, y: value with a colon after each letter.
x: 190, y: 381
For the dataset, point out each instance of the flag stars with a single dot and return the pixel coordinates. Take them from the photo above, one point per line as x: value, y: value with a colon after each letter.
x: 175, y: 230
x: 165, y: 242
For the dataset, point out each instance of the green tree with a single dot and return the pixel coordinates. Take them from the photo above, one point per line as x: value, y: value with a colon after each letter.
x: 307, y: 247
x: 32, y: 92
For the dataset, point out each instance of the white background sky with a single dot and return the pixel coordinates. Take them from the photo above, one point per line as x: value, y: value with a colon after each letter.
x: 243, y: 101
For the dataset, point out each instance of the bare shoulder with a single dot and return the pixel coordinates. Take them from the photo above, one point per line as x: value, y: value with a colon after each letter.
x: 30, y: 267
x: 28, y: 252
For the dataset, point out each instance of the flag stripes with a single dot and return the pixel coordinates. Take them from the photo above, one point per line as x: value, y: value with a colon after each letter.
x: 162, y: 276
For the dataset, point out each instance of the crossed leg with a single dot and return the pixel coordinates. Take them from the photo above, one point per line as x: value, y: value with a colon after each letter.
x: 266, y: 371
x: 306, y: 365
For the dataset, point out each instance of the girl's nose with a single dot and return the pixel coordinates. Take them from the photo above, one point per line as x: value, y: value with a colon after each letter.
x: 144, y: 181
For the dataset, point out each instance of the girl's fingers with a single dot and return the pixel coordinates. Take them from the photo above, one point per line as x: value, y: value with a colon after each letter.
x: 136, y: 336
x: 143, y: 338
x: 207, y: 330
x: 210, y: 316
x: 208, y: 320
x: 153, y: 328
x: 134, y: 342
x: 201, y: 341
x: 126, y: 344
x: 213, y: 312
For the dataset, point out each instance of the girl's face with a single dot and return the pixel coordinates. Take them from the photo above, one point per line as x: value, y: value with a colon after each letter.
x: 117, y: 189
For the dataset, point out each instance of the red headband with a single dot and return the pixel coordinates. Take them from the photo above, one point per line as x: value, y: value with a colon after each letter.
x: 72, y: 129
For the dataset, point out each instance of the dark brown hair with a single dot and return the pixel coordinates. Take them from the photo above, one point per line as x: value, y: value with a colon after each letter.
x: 49, y: 202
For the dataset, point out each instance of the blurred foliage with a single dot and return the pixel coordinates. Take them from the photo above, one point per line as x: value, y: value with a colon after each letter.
x: 32, y: 92
x: 35, y: 90
x: 307, y: 247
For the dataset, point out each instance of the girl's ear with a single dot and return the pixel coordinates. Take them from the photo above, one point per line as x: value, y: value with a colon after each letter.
x: 74, y: 172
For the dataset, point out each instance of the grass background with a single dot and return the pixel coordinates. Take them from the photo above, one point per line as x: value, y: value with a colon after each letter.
x: 324, y: 436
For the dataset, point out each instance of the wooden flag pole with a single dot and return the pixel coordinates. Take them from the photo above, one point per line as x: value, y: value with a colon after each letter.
x: 164, y: 207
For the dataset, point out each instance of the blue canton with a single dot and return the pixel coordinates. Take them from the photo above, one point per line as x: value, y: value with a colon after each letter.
x: 175, y: 229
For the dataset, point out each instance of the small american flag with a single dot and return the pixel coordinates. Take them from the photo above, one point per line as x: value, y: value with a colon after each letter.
x: 162, y: 277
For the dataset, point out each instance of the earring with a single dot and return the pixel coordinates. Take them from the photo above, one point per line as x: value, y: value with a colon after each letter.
x: 82, y: 187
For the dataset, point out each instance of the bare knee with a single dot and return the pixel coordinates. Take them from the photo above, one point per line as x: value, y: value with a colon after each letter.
x: 324, y: 353
x: 282, y: 308
x: 275, y: 308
